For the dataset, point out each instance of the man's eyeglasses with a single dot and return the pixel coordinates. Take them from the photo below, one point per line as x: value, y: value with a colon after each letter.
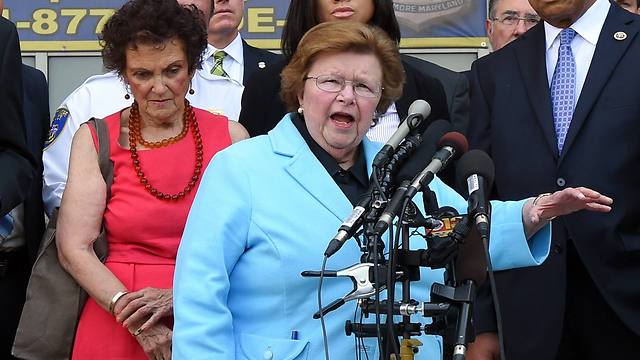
x: 514, y: 20
x: 335, y: 83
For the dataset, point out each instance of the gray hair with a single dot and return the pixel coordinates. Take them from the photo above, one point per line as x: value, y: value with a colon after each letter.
x: 492, y: 8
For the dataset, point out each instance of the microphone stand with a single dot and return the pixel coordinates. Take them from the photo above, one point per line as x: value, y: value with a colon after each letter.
x: 451, y: 300
x: 408, y: 346
x: 450, y: 305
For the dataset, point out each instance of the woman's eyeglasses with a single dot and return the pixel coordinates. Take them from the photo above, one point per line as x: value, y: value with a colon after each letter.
x: 335, y: 83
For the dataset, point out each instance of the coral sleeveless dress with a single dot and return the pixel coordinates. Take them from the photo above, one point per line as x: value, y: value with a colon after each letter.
x: 143, y: 232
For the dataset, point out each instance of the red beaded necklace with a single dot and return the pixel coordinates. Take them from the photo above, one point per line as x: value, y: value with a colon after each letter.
x: 135, y: 136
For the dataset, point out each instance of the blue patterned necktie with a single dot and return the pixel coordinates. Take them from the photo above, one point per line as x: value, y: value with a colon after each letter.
x: 218, y: 59
x: 563, y: 87
x: 6, y: 226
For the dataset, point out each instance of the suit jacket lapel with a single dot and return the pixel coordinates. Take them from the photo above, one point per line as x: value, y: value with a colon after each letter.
x: 531, y: 56
x: 307, y: 170
x: 606, y: 57
x: 249, y: 61
x: 409, y: 91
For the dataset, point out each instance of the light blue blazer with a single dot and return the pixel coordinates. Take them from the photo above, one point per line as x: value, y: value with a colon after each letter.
x: 264, y: 212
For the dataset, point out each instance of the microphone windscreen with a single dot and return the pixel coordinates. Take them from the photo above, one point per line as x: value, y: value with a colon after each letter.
x: 420, y: 107
x: 457, y: 141
x: 423, y: 154
x: 433, y: 134
x: 475, y: 162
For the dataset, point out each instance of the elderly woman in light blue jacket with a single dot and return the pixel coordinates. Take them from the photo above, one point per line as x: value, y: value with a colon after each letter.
x: 267, y: 207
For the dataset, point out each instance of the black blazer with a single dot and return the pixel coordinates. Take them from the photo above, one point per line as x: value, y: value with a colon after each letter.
x: 16, y: 163
x: 456, y: 89
x: 36, y: 116
x: 262, y: 107
x: 512, y: 120
x: 256, y: 60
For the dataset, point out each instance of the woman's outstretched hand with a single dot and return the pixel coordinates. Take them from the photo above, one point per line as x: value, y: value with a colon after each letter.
x: 568, y: 201
x: 537, y: 212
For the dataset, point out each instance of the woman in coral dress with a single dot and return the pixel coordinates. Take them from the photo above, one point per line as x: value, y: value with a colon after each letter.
x: 159, y: 147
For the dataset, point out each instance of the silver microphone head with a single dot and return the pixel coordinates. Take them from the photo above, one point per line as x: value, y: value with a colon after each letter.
x: 419, y: 107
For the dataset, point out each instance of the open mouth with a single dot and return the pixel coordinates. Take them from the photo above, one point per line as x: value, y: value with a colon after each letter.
x: 342, y: 120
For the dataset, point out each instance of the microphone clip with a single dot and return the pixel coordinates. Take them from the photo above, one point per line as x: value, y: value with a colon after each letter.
x: 363, y: 287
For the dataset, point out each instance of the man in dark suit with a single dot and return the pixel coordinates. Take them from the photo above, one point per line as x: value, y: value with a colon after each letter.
x: 16, y: 164
x: 559, y: 107
x: 36, y: 116
x: 240, y: 59
x: 31, y: 213
x: 18, y: 170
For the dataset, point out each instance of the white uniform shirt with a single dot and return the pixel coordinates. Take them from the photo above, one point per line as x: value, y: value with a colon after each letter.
x: 103, y: 95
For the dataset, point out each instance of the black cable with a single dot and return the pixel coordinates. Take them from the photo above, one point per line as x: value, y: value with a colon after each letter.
x: 391, y: 332
x: 376, y: 183
x: 378, y: 174
x: 377, y: 291
x: 494, y: 295
x: 366, y: 354
x: 355, y: 338
x: 324, y: 328
x: 394, y: 244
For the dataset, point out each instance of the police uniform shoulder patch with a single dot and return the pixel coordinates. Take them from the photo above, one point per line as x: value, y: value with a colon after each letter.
x: 57, y: 125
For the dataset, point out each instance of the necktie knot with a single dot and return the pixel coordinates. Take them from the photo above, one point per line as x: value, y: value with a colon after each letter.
x: 218, y: 69
x: 6, y: 226
x: 566, y: 36
x: 219, y: 55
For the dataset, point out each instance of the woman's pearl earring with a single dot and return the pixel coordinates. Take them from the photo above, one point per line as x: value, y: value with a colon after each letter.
x: 300, y: 110
x: 376, y: 117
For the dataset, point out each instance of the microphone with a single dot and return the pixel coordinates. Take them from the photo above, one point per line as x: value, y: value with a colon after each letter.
x: 425, y: 150
x: 418, y: 111
x: 478, y: 170
x: 351, y: 224
x: 452, y: 144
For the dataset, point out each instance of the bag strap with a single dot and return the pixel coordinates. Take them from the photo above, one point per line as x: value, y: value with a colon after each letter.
x: 105, y: 163
x: 100, y: 246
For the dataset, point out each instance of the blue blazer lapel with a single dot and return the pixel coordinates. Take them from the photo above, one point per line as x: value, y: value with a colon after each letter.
x: 371, y: 149
x: 531, y: 54
x: 607, y: 55
x: 307, y: 170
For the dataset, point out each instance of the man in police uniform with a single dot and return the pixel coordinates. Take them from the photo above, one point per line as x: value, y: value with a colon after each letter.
x: 102, y: 95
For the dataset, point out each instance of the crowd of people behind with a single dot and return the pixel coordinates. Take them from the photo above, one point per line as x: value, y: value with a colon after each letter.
x: 211, y: 143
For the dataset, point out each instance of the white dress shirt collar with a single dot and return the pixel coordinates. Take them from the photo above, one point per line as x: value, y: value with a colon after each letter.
x: 588, y: 26
x: 208, y: 52
x: 235, y: 50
